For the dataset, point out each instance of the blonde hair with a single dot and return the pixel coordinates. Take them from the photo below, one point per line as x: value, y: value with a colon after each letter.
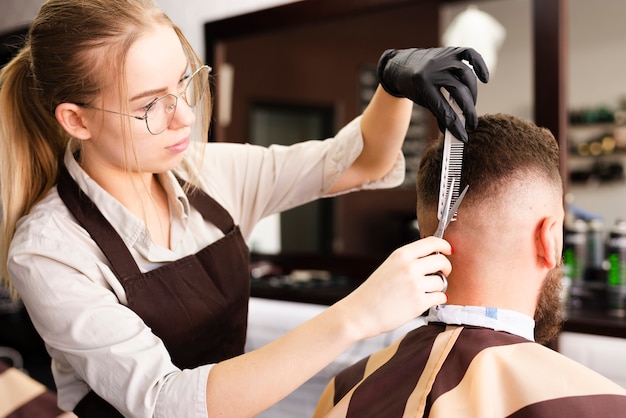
x: 70, y: 49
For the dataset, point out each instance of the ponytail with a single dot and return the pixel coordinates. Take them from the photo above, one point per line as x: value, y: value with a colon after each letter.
x: 31, y: 144
x: 73, y: 47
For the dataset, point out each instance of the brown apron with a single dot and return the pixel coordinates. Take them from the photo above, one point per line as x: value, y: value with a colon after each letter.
x: 198, y: 305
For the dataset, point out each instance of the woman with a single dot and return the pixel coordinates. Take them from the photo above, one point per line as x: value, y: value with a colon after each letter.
x: 125, y: 238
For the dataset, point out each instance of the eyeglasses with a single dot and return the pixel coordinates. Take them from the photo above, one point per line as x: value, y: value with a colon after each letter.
x: 160, y: 112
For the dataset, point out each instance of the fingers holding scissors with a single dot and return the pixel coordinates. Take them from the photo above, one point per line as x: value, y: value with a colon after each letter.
x: 401, y: 288
x: 445, y: 282
x: 430, y: 262
x: 435, y: 266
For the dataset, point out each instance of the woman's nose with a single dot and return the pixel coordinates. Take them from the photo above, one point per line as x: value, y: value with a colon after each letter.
x: 184, y: 115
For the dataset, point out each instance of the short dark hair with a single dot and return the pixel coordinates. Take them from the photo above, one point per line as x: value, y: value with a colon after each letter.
x: 501, y: 147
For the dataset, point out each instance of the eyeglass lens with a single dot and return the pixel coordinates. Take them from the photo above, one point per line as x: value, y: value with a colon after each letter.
x: 162, y: 111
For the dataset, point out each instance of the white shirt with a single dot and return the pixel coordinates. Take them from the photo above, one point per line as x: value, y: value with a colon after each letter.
x: 79, y: 307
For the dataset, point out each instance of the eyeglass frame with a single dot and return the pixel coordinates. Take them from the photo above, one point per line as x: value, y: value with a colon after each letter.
x: 151, y: 104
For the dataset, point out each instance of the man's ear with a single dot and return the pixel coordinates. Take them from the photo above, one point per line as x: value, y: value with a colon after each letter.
x: 70, y: 116
x: 546, y: 242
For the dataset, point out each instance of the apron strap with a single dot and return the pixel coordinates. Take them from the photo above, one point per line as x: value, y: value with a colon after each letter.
x: 209, y: 208
x: 93, y: 406
x: 102, y: 232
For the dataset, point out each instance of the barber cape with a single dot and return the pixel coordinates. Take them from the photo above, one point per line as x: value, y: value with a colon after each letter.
x: 21, y: 396
x: 452, y: 371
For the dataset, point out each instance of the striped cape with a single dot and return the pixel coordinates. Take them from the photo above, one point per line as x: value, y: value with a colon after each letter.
x: 462, y: 371
x: 23, y: 397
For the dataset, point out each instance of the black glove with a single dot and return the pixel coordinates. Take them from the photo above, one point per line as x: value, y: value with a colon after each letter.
x: 418, y: 74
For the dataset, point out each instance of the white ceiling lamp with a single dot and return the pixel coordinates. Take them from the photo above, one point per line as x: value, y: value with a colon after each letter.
x: 479, y: 30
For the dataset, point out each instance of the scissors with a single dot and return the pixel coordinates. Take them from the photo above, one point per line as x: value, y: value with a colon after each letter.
x: 448, y: 213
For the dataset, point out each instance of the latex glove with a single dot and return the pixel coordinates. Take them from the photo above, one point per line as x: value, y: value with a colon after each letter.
x: 418, y: 74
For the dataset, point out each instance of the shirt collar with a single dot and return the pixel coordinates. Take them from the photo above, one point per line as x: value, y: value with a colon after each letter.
x: 497, y: 319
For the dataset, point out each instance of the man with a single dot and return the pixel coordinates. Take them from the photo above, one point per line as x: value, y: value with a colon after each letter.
x: 481, y: 355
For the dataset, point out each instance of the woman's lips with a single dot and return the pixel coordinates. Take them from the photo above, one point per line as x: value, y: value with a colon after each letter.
x: 180, y: 146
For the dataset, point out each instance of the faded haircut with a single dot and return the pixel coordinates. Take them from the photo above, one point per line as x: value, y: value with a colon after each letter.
x: 501, y: 148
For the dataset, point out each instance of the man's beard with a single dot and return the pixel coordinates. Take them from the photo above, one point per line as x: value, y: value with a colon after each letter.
x: 549, y: 311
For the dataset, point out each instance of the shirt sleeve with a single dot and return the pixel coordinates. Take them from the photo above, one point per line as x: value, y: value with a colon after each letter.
x: 95, y: 341
x: 252, y: 181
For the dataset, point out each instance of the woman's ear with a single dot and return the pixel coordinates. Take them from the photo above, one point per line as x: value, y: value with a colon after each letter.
x: 70, y: 116
x: 546, y: 242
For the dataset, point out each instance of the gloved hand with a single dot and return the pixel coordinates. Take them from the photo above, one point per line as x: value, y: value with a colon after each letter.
x: 418, y: 74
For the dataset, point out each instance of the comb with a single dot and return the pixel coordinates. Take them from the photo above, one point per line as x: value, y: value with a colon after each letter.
x: 451, y: 166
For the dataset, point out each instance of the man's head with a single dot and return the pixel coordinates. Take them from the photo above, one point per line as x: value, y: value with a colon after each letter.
x: 507, y: 239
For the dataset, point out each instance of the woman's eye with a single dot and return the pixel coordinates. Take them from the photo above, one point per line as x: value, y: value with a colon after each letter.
x: 149, y: 105
x: 183, y: 80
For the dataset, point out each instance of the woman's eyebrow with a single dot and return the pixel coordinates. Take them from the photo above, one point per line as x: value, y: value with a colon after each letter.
x: 148, y: 93
x: 154, y: 92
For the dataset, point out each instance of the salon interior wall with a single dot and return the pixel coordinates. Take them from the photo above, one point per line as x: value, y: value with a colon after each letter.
x: 597, y: 62
x: 191, y: 17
